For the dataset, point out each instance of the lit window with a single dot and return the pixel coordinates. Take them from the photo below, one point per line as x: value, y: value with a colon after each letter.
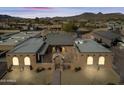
x: 101, y: 60
x: 27, y: 61
x: 90, y: 60
x: 63, y: 49
x: 15, y: 61
x: 53, y: 50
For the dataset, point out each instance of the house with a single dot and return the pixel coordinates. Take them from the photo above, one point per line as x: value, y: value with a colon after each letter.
x: 15, y: 39
x: 106, y: 37
x: 90, y: 53
x: 41, y: 51
x: 28, y: 54
x: 60, y: 41
x: 56, y: 48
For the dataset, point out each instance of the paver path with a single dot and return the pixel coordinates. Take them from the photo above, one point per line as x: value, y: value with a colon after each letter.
x: 56, y: 79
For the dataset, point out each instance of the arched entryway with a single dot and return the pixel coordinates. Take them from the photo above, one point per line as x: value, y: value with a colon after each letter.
x: 15, y: 61
x: 58, y: 60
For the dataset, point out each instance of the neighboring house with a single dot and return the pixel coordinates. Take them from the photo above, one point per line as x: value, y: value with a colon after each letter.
x: 15, y: 39
x: 107, y: 37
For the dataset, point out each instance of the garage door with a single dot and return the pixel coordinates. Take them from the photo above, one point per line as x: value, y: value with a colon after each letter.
x: 27, y: 61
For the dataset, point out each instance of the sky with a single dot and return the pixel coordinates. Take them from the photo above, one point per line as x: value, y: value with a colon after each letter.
x: 32, y: 12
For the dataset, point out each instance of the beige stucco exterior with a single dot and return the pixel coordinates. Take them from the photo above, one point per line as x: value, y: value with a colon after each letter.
x: 21, y: 57
x: 81, y: 59
x: 71, y: 55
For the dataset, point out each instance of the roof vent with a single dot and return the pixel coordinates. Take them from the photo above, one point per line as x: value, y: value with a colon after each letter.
x: 1, y: 41
x: 79, y: 42
x: 10, y: 38
x: 23, y: 37
x: 16, y: 41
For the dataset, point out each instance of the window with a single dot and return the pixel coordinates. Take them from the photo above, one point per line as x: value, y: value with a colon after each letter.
x: 101, y: 60
x: 15, y: 61
x: 53, y: 50
x: 63, y: 49
x: 27, y: 61
x: 90, y: 60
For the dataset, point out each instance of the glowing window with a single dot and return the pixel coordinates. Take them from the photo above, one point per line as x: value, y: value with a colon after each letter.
x: 15, y: 61
x: 90, y: 60
x: 63, y: 49
x: 101, y: 60
x: 53, y: 50
x: 27, y: 61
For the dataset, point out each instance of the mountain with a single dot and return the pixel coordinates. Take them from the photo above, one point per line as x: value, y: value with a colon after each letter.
x: 8, y: 18
x: 93, y: 16
x: 87, y: 16
x: 5, y: 16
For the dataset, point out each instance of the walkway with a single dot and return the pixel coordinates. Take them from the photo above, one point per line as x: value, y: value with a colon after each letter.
x: 56, y: 79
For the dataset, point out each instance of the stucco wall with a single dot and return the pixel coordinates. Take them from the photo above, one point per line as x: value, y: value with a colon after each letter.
x: 21, y: 59
x: 44, y: 65
x: 81, y: 59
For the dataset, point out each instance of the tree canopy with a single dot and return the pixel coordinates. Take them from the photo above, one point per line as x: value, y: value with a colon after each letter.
x: 70, y: 27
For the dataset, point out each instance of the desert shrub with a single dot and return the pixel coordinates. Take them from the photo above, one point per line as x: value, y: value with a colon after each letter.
x: 77, y: 69
x: 68, y: 67
x: 49, y: 68
x: 31, y: 68
x: 40, y: 69
x: 9, y: 70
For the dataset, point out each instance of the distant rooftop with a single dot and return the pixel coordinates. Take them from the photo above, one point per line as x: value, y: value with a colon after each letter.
x: 108, y: 34
x: 32, y: 45
x: 60, y: 39
x: 17, y: 38
x: 88, y: 45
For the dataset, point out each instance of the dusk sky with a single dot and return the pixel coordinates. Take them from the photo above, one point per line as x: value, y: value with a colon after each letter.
x: 32, y: 12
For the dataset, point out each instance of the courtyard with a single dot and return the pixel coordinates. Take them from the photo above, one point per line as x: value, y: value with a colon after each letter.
x: 86, y: 76
x: 26, y: 77
x: 89, y: 76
